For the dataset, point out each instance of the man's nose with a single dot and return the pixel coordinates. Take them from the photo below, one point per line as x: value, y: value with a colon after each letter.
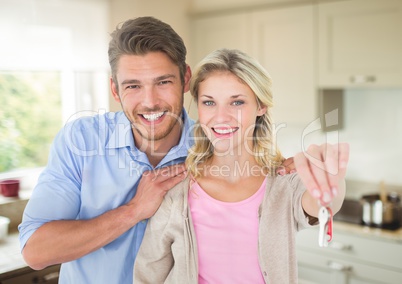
x: 150, y: 97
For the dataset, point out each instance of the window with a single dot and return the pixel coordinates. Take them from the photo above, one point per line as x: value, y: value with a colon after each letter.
x: 53, y: 67
x: 29, y: 119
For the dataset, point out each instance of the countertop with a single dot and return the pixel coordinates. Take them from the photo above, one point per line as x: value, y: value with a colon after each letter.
x: 369, y: 232
x: 11, y: 259
x: 10, y: 256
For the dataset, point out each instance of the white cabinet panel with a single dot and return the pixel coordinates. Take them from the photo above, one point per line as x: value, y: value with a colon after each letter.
x: 213, y: 32
x: 360, y: 43
x: 222, y: 31
x: 283, y: 42
x: 348, y: 259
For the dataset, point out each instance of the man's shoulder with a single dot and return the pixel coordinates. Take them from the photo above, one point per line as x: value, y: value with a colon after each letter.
x: 89, y: 131
x: 93, y: 121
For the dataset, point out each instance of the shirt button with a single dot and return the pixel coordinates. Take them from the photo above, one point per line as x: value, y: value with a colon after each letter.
x: 265, y: 273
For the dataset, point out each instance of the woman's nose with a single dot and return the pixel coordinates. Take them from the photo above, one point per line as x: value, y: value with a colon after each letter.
x: 222, y: 114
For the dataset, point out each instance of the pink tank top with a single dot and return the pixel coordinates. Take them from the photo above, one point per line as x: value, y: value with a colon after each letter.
x: 227, y: 237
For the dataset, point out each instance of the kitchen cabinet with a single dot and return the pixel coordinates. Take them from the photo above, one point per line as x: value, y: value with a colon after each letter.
x: 360, y: 43
x: 348, y: 259
x: 26, y: 275
x: 212, y: 32
x: 219, y: 31
x: 283, y: 42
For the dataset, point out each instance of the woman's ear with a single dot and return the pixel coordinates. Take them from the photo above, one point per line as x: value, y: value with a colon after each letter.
x: 261, y: 110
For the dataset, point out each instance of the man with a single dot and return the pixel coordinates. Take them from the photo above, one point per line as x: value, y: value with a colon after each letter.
x: 108, y: 174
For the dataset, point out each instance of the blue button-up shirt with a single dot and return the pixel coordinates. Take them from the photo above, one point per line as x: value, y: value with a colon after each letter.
x: 94, y: 167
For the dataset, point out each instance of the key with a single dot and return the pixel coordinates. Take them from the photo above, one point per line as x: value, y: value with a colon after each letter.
x: 325, y: 220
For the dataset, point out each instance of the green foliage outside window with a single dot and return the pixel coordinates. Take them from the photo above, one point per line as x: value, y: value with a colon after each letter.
x: 30, y: 116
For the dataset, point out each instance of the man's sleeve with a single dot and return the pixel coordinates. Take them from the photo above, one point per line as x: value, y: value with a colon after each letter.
x: 57, y: 193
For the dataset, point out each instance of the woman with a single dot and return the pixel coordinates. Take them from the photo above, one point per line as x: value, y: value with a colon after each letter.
x: 232, y: 220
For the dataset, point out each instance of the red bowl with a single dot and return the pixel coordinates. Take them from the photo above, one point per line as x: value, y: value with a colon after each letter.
x: 10, y: 187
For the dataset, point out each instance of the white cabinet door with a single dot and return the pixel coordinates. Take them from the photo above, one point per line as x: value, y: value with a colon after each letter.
x: 348, y: 259
x: 213, y: 32
x: 220, y: 31
x: 324, y: 268
x: 283, y: 42
x: 360, y: 43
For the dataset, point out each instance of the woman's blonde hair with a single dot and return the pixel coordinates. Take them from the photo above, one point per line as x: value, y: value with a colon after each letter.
x: 248, y: 70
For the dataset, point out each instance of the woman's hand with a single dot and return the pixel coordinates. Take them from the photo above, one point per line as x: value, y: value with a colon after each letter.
x: 322, y: 169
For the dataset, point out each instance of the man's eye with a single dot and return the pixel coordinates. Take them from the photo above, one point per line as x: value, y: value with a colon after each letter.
x: 164, y: 82
x: 133, y: 87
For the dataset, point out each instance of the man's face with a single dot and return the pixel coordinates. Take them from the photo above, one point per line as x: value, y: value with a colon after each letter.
x: 151, y: 95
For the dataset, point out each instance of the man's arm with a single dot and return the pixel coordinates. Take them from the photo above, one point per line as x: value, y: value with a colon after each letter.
x: 65, y: 240
x: 287, y: 167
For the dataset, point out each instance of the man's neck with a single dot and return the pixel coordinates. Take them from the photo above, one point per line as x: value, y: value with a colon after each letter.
x: 156, y: 150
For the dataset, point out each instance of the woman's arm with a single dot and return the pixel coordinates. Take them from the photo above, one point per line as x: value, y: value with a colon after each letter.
x: 154, y: 260
x: 322, y: 170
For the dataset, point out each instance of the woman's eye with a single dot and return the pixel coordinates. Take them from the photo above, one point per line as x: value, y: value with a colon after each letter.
x: 238, y: 103
x: 208, y: 103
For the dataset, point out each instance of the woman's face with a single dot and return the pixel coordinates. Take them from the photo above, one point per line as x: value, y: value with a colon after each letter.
x: 227, y: 111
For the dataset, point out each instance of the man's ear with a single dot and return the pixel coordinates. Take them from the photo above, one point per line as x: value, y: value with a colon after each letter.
x: 115, y: 91
x: 187, y: 77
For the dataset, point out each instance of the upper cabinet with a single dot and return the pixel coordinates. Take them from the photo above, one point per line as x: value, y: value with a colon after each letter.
x: 212, y: 32
x: 203, y: 6
x: 360, y: 43
x: 283, y: 42
x: 223, y: 31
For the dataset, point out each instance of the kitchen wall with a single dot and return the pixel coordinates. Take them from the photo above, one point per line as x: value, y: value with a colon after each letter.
x: 372, y: 127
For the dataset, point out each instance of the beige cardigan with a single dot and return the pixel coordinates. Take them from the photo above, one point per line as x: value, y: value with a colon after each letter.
x: 168, y: 253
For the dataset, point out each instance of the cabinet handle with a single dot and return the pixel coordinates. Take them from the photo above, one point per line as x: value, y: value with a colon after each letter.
x: 339, y: 266
x: 360, y: 79
x: 51, y: 276
x: 340, y: 246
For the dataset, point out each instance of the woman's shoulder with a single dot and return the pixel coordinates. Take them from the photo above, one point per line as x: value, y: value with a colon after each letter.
x: 179, y: 190
x: 288, y: 182
x: 285, y: 179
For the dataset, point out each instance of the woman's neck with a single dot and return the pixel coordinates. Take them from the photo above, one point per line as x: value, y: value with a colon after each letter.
x: 231, y: 178
x: 232, y: 167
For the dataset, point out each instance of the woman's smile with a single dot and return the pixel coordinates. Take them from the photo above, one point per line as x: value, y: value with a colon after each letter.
x: 224, y: 132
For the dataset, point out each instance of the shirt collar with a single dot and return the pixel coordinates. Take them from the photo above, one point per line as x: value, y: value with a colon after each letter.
x: 122, y: 136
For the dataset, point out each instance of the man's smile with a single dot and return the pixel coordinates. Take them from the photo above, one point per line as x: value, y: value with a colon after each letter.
x: 152, y: 117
